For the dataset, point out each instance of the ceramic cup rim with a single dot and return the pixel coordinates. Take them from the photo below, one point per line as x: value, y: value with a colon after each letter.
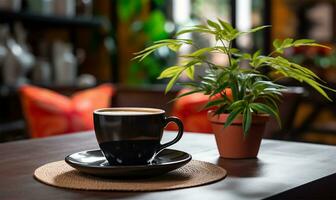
x: 149, y: 111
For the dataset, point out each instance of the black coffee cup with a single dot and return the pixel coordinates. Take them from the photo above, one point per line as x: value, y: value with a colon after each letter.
x: 131, y: 136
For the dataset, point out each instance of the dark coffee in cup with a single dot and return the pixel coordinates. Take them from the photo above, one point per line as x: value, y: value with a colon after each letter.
x: 131, y: 136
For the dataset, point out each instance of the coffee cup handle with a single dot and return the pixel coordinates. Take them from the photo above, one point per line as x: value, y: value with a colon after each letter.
x: 179, y: 123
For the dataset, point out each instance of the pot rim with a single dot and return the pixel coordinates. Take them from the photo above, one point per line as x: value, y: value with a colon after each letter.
x: 221, y: 118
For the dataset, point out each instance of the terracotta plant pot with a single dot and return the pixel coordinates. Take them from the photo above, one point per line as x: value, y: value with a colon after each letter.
x: 231, y: 142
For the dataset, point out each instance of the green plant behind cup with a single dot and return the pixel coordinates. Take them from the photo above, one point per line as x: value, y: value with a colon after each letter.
x: 252, y: 91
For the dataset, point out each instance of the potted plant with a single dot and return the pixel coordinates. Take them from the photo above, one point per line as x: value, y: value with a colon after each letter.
x: 238, y: 119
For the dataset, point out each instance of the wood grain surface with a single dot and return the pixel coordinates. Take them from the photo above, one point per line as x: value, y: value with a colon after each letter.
x: 282, y: 168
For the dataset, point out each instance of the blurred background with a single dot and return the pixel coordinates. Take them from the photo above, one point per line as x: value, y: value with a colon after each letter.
x: 56, y: 54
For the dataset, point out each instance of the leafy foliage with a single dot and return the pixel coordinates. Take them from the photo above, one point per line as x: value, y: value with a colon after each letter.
x: 150, y: 28
x: 252, y: 92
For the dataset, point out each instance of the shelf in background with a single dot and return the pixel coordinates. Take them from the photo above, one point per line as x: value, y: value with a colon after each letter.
x: 32, y: 19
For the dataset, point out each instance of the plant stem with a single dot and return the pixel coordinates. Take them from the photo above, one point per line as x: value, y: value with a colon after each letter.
x: 227, y: 51
x: 210, y: 64
x: 273, y: 52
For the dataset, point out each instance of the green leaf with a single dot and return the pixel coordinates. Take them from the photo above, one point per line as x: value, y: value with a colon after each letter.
x: 171, y: 83
x: 171, y: 71
x: 190, y: 84
x: 233, y: 50
x: 202, y: 51
x: 220, y: 110
x: 190, y: 72
x: 186, y: 94
x: 191, y: 62
x: 271, y: 102
x: 263, y: 108
x: 308, y: 42
x: 287, y: 42
x: 209, y: 79
x: 151, y: 48
x: 277, y: 43
x: 192, y: 30
x: 246, y: 56
x: 174, y: 47
x: 305, y: 70
x: 317, y: 87
x: 233, y: 35
x: 282, y: 61
x: 247, y: 120
x: 201, y: 26
x: 189, y: 93
x: 141, y: 57
x: 232, y: 116
x: 220, y: 89
x: 235, y: 91
x: 258, y: 28
x: 147, y: 51
x: 303, y: 41
x: 174, y: 41
x: 237, y: 105
x: 256, y: 54
x: 315, y: 45
x: 288, y: 69
x: 214, y: 103
x: 213, y: 24
x: 226, y: 25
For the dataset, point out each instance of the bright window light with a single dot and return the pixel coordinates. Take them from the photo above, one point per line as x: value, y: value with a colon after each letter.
x: 181, y: 11
x: 244, y: 21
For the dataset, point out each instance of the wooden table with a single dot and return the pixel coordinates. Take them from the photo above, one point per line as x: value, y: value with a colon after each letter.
x: 283, y: 170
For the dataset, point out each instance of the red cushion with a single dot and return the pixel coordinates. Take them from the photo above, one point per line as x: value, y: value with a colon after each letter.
x: 49, y: 113
x: 189, y: 110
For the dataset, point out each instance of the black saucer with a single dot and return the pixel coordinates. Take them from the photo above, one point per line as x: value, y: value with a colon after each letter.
x: 94, y: 162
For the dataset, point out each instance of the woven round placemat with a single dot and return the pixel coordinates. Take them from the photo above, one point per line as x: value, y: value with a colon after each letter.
x: 195, y: 173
